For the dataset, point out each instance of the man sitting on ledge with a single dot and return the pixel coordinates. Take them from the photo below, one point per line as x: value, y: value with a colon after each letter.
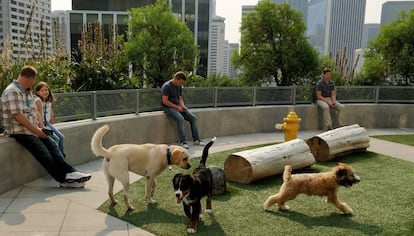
x: 173, y: 105
x: 19, y: 118
x: 326, y: 99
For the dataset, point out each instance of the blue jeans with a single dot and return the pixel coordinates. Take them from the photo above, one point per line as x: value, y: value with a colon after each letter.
x: 57, y: 136
x: 179, y: 117
x: 47, y: 154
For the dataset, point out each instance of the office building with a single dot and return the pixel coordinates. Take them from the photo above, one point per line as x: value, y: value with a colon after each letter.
x: 300, y: 5
x: 334, y: 25
x: 196, y: 14
x: 233, y: 47
x: 247, y: 9
x: 390, y: 10
x: 369, y: 33
x: 217, y: 46
x: 25, y: 28
x: 69, y: 25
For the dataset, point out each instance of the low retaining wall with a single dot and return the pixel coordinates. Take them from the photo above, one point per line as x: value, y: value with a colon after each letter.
x: 19, y: 167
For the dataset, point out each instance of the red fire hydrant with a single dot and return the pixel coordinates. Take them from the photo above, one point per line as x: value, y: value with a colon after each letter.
x: 290, y: 126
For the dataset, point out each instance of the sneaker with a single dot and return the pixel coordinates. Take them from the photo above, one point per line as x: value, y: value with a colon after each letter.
x: 184, y: 145
x: 198, y: 142
x: 77, y: 177
x: 72, y: 185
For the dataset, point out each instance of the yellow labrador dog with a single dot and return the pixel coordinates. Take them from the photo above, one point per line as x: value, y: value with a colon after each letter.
x: 147, y: 160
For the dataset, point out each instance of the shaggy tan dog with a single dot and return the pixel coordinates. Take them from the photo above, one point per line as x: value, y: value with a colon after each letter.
x: 320, y: 184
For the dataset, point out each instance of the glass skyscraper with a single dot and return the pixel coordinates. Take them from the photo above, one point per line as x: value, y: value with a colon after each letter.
x: 333, y: 25
x: 195, y: 13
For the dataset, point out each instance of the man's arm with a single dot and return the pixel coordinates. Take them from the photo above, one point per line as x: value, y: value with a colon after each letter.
x: 333, y: 96
x: 181, y: 102
x: 322, y: 98
x: 22, y: 119
x: 167, y: 102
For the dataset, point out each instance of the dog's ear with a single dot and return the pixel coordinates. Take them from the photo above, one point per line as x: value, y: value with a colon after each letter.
x: 340, y: 173
x: 178, y: 175
x: 176, y: 155
x: 177, y: 178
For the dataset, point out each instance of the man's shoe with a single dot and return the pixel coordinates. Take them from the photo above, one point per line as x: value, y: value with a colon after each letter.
x: 184, y: 145
x: 77, y: 177
x: 72, y: 185
x: 198, y: 142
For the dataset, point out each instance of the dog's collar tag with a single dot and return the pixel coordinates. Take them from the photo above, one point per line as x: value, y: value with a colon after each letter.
x: 169, y: 161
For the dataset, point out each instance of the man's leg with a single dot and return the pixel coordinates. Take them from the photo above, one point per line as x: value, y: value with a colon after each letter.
x: 326, y: 114
x: 191, y: 118
x: 50, y: 160
x: 170, y: 112
x: 339, y: 108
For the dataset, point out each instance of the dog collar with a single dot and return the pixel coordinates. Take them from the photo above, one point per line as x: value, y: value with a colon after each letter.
x: 169, y: 161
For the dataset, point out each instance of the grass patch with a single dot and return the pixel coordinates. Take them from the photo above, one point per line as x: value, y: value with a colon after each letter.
x: 382, y: 204
x: 407, y: 139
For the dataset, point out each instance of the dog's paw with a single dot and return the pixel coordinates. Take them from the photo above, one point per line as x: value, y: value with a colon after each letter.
x: 268, y: 209
x: 209, y: 211
x: 191, y: 230
x: 348, y: 211
x: 283, y: 208
x: 152, y: 201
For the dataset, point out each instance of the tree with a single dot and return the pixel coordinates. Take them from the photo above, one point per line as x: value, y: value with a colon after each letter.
x: 159, y: 44
x: 391, y: 54
x: 273, y: 46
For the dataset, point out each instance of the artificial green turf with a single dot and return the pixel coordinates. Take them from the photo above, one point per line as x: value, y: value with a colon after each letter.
x: 407, y: 139
x: 383, y: 204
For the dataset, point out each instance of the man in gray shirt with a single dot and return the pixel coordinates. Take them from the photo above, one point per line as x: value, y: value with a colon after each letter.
x: 173, y: 105
x: 326, y: 99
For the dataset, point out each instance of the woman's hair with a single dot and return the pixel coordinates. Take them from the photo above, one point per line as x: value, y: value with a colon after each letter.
x: 39, y: 86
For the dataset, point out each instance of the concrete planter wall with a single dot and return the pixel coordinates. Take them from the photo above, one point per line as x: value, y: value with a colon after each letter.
x: 19, y: 167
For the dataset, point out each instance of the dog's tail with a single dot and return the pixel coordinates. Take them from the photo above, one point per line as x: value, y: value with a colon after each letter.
x: 96, y: 142
x: 286, y: 173
x: 205, y: 152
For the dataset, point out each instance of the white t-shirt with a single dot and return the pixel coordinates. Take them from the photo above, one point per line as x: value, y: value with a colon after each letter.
x: 46, y: 109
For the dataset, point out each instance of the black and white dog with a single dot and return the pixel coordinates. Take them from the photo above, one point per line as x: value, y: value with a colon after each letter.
x: 190, y: 188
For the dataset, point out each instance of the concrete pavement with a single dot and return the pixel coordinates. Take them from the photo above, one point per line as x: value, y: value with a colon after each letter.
x: 41, y: 208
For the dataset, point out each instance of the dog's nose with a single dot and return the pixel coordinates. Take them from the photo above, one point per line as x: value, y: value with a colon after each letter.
x: 177, y: 195
x: 189, y: 166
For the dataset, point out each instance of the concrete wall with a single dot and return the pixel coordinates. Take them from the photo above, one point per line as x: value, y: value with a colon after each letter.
x: 19, y: 167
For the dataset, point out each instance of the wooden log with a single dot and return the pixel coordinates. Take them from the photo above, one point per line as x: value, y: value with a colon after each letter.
x: 251, y: 165
x: 338, y: 142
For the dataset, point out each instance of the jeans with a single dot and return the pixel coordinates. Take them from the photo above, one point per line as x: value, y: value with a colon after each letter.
x: 57, y: 136
x: 179, y: 117
x: 47, y: 154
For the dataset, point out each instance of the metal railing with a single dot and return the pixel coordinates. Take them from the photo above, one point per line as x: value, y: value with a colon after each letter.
x: 90, y: 105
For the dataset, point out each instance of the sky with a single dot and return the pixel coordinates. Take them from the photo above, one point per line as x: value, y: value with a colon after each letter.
x: 231, y: 10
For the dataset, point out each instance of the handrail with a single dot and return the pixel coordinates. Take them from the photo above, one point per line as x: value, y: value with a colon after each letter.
x: 94, y: 104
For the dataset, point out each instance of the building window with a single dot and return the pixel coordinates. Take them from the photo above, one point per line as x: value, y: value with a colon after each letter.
x: 92, y: 18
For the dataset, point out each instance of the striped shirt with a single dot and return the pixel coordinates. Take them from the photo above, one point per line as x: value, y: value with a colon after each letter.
x: 15, y: 100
